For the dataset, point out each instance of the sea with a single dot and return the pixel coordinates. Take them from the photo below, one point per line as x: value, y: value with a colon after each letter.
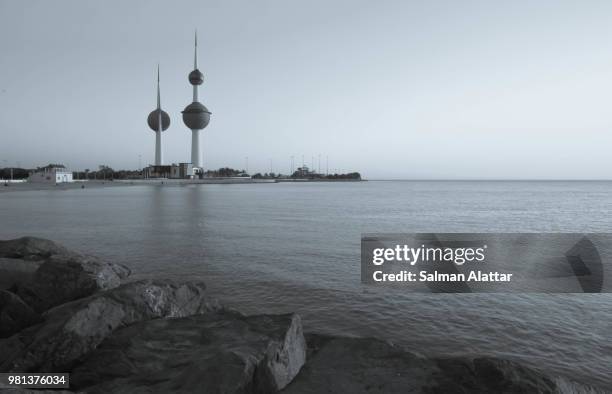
x: 295, y: 247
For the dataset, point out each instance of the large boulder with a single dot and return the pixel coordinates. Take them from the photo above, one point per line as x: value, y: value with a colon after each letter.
x: 361, y: 365
x: 15, y: 314
x: 15, y: 272
x: 46, y: 274
x: 30, y: 248
x: 72, y: 330
x: 69, y: 276
x: 216, y: 353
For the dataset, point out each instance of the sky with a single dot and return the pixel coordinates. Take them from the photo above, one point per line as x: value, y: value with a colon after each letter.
x: 392, y: 89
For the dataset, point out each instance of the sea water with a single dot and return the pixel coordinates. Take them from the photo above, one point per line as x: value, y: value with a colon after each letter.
x: 266, y: 248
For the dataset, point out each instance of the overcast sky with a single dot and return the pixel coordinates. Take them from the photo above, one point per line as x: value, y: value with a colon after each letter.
x: 392, y: 89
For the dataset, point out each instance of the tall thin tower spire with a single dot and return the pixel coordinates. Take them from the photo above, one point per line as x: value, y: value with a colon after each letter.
x: 195, y: 65
x: 159, y: 156
x: 195, y: 51
x: 158, y: 121
x: 158, y: 93
x: 196, y: 116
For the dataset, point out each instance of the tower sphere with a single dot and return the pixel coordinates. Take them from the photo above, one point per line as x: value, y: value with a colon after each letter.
x: 196, y: 77
x: 153, y: 120
x: 196, y: 116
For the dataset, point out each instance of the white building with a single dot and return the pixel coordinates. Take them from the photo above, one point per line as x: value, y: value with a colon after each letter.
x: 53, y: 173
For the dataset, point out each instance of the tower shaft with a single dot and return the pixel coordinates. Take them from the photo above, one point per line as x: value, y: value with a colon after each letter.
x: 195, y: 65
x: 158, y: 121
x: 196, y: 157
x: 196, y: 116
x: 159, y: 159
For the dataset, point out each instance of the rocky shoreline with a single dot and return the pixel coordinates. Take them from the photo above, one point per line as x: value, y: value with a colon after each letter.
x: 62, y: 311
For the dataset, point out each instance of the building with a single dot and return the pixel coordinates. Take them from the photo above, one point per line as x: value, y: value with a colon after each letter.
x: 156, y: 172
x: 181, y: 171
x: 53, y: 173
x: 173, y: 171
x: 304, y: 171
x: 196, y: 116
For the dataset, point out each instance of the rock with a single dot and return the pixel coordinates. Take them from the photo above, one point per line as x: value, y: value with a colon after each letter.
x: 72, y: 330
x: 15, y: 272
x: 15, y: 314
x: 358, y: 365
x: 214, y: 353
x: 48, y: 274
x: 30, y: 248
x: 69, y: 276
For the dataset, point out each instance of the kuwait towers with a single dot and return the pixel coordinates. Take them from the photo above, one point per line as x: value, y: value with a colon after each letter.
x: 158, y: 121
x: 196, y: 116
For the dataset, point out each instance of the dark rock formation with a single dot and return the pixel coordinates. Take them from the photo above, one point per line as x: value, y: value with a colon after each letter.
x: 69, y: 276
x: 46, y: 274
x: 72, y: 330
x: 15, y: 272
x: 360, y: 365
x: 15, y: 314
x: 213, y: 353
x: 30, y: 248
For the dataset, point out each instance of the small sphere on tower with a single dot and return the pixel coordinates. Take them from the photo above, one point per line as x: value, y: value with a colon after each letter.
x: 196, y: 77
x: 153, y: 120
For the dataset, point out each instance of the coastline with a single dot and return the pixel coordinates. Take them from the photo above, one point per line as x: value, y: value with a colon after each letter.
x: 81, y: 184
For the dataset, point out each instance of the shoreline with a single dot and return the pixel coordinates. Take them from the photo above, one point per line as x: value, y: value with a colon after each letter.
x: 86, y: 184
